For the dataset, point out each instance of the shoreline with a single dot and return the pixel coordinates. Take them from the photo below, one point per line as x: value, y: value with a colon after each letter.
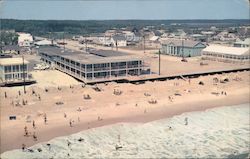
x: 137, y: 103
x: 157, y: 114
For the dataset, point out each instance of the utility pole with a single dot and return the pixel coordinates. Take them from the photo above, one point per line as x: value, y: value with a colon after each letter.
x: 86, y: 44
x: 63, y: 42
x: 182, y: 45
x: 159, y: 62
x: 116, y: 45
x: 24, y: 89
x: 144, y: 44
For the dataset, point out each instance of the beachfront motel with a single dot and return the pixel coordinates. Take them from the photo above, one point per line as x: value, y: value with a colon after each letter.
x: 13, y: 70
x: 94, y: 65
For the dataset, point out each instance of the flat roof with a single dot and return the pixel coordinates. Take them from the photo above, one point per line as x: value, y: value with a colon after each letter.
x: 219, y: 49
x: 12, y: 61
x: 107, y: 53
x: 93, y: 56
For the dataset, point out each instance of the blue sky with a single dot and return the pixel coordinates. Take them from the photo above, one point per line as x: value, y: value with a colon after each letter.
x: 124, y: 9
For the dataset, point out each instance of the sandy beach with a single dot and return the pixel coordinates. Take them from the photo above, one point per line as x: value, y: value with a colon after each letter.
x: 136, y: 103
x: 221, y: 132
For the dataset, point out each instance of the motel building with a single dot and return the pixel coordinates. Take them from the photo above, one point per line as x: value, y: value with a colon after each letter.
x: 95, y: 65
x: 13, y: 70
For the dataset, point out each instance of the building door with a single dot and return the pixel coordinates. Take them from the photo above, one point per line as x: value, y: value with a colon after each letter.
x: 16, y: 76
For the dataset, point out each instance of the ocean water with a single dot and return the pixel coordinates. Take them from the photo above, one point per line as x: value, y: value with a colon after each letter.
x: 215, y: 133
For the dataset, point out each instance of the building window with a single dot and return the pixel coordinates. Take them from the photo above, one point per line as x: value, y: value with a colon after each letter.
x: 8, y: 76
x: 7, y: 69
x: 15, y: 68
x: 89, y: 75
x: 25, y: 75
x: 23, y: 66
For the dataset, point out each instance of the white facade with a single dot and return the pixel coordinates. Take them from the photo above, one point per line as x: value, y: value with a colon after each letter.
x: 105, y: 41
x: 13, y: 69
x: 25, y: 39
x: 226, y: 53
x: 119, y: 42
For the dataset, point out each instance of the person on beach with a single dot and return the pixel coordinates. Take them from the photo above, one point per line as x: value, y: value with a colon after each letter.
x: 33, y: 124
x: 19, y: 93
x: 23, y: 147
x: 39, y: 97
x: 79, y: 109
x: 186, y: 121
x: 45, y: 118
x: 24, y: 102
x: 26, y: 133
x: 70, y: 123
x: 49, y: 145
x: 80, y: 139
x: 5, y: 94
x: 69, y: 143
x: 33, y: 92
x: 65, y: 115
x: 34, y: 136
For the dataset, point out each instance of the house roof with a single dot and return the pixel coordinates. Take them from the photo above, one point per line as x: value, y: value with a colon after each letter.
x: 219, y: 49
x: 154, y: 38
x: 119, y: 38
x: 10, y: 47
x: 178, y: 42
x: 245, y: 42
x: 44, y: 42
x: 12, y: 61
x: 90, y: 57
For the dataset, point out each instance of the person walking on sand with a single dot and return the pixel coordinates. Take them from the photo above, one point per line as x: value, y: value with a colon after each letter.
x: 34, y: 136
x: 26, y: 131
x: 65, y: 115
x: 70, y: 123
x: 5, y: 95
x: 45, y: 118
x: 33, y: 124
x: 23, y: 147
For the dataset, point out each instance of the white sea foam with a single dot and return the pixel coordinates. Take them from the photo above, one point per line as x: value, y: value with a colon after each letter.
x: 215, y: 133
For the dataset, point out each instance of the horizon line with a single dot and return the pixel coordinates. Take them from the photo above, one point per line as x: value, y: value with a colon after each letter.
x: 120, y: 19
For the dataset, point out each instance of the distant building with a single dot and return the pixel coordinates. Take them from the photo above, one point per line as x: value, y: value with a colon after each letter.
x: 43, y: 42
x: 178, y: 47
x: 10, y: 49
x: 25, y: 39
x: 226, y: 53
x: 199, y: 37
x: 245, y: 43
x: 119, y: 40
x: 105, y: 41
x: 13, y: 70
x: 154, y: 38
x: 131, y: 37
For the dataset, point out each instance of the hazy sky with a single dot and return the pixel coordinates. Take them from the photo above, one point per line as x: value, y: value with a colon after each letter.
x: 124, y: 9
